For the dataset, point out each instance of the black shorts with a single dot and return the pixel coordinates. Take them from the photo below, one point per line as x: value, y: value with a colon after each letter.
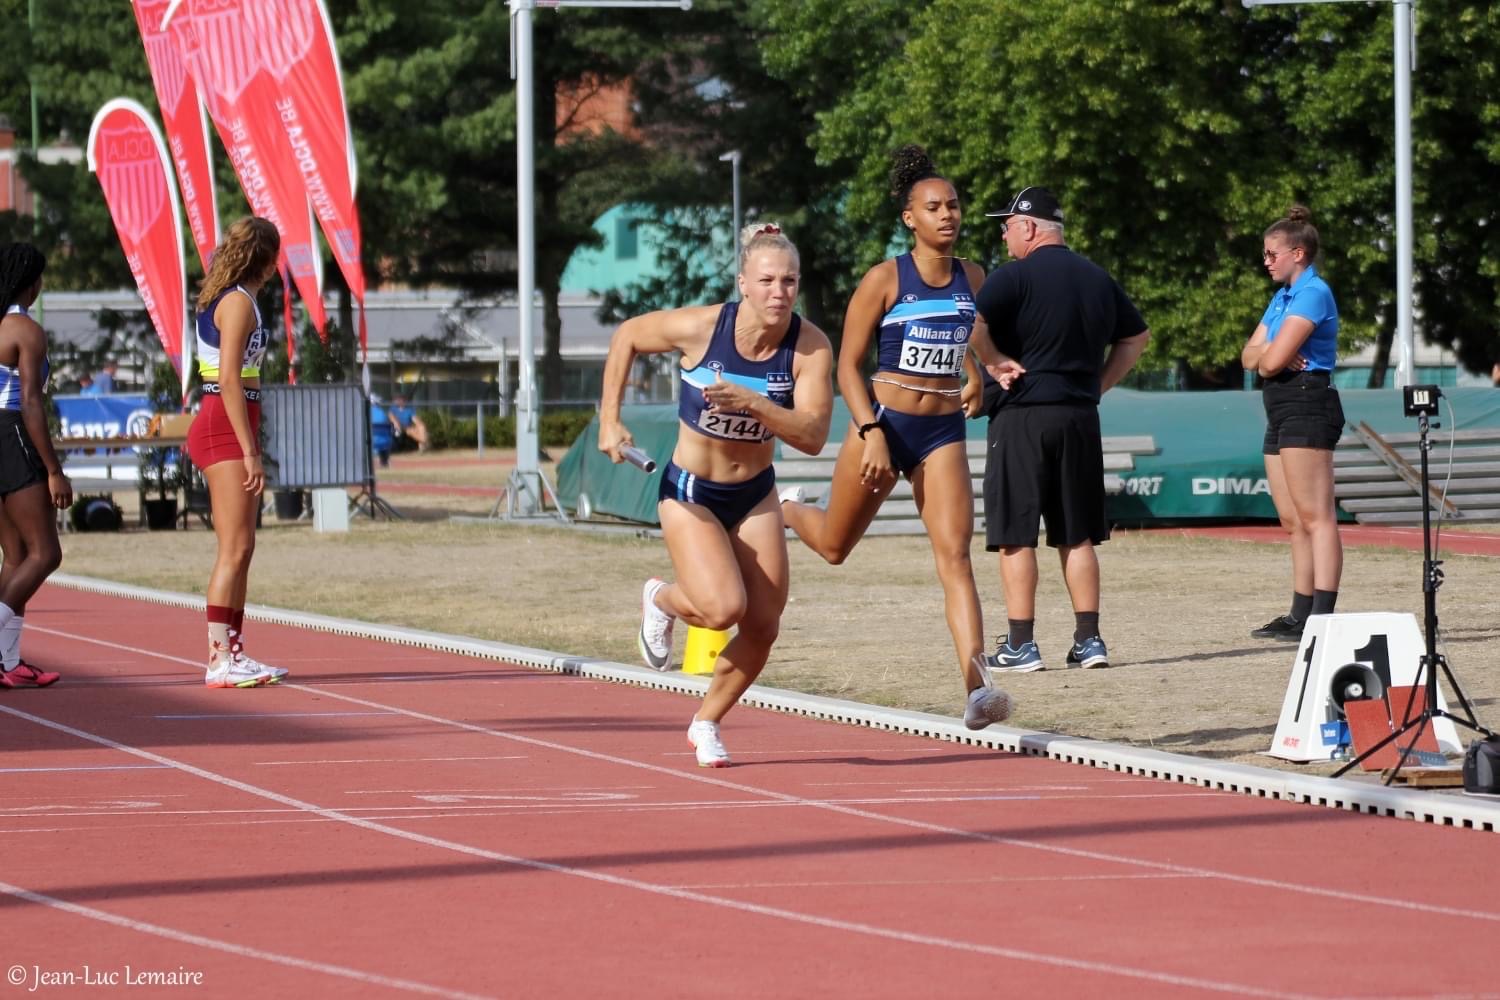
x: 1045, y: 461
x: 20, y: 465
x: 1302, y: 411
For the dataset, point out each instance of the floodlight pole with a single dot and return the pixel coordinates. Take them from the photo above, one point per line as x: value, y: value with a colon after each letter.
x: 1405, y: 55
x: 36, y: 147
x: 733, y: 157
x: 526, y: 482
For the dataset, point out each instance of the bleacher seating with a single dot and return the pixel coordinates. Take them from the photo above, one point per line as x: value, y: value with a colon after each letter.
x: 1377, y: 477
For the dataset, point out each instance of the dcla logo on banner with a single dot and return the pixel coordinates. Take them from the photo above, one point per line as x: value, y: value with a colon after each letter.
x: 227, y: 52
x: 166, y: 64
x: 131, y: 166
x: 283, y: 31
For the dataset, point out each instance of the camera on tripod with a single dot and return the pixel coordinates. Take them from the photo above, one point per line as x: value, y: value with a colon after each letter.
x: 1421, y: 400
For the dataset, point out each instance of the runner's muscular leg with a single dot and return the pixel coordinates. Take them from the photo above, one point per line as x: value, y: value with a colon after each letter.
x: 852, y: 505
x: 708, y: 591
x: 759, y: 543
x: 945, y: 500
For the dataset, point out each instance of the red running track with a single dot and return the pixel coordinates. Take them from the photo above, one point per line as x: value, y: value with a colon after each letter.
x: 1466, y: 543
x: 400, y: 822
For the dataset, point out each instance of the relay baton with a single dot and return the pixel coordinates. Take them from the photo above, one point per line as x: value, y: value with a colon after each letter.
x: 638, y: 458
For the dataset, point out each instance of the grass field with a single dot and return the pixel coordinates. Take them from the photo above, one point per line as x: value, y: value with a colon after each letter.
x: 1177, y: 611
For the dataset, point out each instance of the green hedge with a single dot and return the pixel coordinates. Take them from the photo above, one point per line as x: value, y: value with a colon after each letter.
x: 559, y: 429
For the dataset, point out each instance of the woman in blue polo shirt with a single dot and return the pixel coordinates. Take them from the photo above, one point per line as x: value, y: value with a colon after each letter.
x: 1294, y: 349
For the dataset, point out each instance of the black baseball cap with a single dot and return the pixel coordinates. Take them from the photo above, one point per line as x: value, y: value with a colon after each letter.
x: 1037, y: 202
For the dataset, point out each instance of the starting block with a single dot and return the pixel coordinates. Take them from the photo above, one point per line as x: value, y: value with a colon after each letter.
x: 1350, y: 658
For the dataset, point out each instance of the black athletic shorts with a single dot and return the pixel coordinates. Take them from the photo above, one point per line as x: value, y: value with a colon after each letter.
x: 20, y: 465
x: 1045, y: 462
x: 1302, y: 411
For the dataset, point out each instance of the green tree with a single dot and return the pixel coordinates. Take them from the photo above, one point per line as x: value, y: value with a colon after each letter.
x: 1174, y: 132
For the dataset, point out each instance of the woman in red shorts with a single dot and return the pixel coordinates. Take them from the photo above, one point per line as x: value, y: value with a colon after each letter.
x: 225, y: 439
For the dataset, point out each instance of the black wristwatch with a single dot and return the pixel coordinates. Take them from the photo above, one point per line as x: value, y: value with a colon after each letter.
x: 867, y: 427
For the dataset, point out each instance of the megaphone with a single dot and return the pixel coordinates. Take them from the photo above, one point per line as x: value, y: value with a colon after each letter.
x: 1354, y: 682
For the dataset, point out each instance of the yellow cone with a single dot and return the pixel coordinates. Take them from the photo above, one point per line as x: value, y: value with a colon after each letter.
x: 703, y: 648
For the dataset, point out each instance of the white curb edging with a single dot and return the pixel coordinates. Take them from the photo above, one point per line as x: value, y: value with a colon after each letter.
x: 1357, y: 796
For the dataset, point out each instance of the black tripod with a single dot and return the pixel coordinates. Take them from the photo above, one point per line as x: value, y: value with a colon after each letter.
x: 1422, y: 400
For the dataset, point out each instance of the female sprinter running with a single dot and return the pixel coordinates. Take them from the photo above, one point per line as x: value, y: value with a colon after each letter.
x: 752, y: 371
x: 909, y: 418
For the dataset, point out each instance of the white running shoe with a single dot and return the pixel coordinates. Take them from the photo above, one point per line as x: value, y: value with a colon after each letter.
x: 704, y: 736
x: 655, y: 636
x: 986, y: 704
x: 793, y: 494
x: 232, y: 673
x: 237, y: 653
x: 272, y: 674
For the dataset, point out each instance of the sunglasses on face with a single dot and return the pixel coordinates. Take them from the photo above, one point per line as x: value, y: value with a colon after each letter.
x: 1270, y: 256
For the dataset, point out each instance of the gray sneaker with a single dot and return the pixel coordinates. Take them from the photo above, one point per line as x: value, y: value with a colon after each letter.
x: 1088, y: 653
x: 1022, y: 659
x: 655, y: 636
x: 986, y: 705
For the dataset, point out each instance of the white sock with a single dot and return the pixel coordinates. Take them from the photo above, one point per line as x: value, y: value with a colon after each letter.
x: 10, y: 642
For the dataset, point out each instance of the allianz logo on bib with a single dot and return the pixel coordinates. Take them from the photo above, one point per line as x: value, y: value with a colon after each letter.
x: 1204, y: 486
x: 937, y: 334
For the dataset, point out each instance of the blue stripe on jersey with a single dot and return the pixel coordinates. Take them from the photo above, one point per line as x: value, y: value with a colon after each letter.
x: 701, y: 379
x: 922, y: 309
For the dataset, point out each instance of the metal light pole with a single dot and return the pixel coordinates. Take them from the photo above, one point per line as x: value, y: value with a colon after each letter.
x: 733, y: 157
x: 526, y: 482
x: 1405, y: 55
x: 36, y: 146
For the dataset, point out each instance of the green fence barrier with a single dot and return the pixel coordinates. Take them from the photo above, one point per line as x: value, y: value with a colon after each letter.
x: 1207, y: 465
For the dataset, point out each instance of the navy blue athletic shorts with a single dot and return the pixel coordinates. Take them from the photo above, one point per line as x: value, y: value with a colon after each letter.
x: 912, y: 438
x: 729, y: 502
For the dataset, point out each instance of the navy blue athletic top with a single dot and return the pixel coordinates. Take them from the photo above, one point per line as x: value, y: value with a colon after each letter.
x: 927, y: 331
x: 771, y: 378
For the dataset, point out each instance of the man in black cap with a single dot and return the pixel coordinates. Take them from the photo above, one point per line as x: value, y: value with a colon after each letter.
x: 1075, y: 334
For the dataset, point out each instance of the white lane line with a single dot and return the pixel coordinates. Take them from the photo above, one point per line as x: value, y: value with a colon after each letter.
x: 985, y: 880
x: 383, y: 760
x: 81, y: 768
x: 1035, y: 845
x: 618, y: 881
x: 276, y: 957
x: 264, y: 715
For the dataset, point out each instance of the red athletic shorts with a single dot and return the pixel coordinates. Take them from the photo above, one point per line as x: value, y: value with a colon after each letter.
x: 212, y: 437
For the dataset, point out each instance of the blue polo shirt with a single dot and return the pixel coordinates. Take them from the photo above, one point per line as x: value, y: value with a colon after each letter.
x: 1311, y: 298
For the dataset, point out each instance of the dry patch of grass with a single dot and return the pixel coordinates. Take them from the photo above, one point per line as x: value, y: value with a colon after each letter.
x: 1177, y: 613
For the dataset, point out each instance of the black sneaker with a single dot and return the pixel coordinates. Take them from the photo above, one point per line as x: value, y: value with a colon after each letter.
x: 1281, y: 627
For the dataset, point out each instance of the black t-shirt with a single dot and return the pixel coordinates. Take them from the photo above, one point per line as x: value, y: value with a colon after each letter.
x: 1055, y: 312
